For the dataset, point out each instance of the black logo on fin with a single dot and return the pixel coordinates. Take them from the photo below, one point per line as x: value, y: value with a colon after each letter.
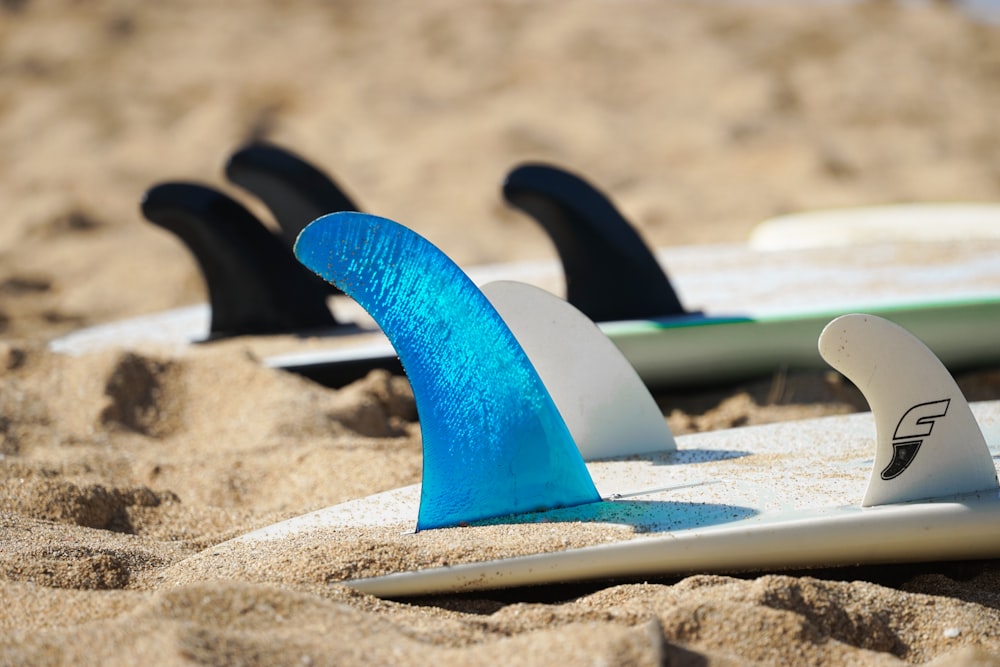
x: 915, y: 425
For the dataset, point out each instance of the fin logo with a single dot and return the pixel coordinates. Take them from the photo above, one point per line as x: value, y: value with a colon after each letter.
x: 915, y: 425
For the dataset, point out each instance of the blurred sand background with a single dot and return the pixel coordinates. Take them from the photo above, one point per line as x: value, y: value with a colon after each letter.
x: 699, y: 119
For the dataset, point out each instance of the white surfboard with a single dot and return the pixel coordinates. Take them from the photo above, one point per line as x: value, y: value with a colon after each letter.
x: 758, y: 311
x: 916, y: 481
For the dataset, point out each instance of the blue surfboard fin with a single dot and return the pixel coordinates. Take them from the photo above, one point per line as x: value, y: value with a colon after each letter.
x: 493, y: 441
x: 928, y: 442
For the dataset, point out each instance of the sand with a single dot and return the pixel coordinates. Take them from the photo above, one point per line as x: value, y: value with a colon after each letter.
x: 700, y: 119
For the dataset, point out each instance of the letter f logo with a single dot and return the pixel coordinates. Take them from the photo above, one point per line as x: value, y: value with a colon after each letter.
x: 915, y: 425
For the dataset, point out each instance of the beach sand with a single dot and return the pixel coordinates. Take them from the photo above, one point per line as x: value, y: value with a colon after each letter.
x: 699, y: 119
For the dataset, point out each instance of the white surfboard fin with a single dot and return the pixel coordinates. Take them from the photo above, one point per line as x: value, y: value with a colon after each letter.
x: 604, y: 403
x: 928, y: 442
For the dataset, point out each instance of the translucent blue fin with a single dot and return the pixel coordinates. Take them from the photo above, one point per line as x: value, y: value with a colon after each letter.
x: 493, y: 441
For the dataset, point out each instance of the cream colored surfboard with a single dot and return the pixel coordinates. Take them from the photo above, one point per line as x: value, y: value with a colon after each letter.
x: 914, y: 481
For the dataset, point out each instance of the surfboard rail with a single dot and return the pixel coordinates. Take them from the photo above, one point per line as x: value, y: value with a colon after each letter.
x: 916, y: 532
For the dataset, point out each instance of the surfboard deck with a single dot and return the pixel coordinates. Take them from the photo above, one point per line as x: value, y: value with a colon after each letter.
x: 759, y: 311
x: 772, y: 497
x: 504, y: 451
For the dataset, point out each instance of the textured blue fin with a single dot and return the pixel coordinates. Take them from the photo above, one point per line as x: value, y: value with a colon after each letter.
x: 493, y: 441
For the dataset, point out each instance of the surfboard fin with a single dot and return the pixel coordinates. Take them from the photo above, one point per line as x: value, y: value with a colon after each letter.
x: 604, y: 402
x: 294, y: 190
x: 928, y: 442
x: 610, y: 272
x: 255, y: 286
x: 493, y: 441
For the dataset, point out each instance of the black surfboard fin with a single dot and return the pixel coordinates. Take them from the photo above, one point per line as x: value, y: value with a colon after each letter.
x: 294, y: 190
x: 255, y: 284
x: 610, y: 272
